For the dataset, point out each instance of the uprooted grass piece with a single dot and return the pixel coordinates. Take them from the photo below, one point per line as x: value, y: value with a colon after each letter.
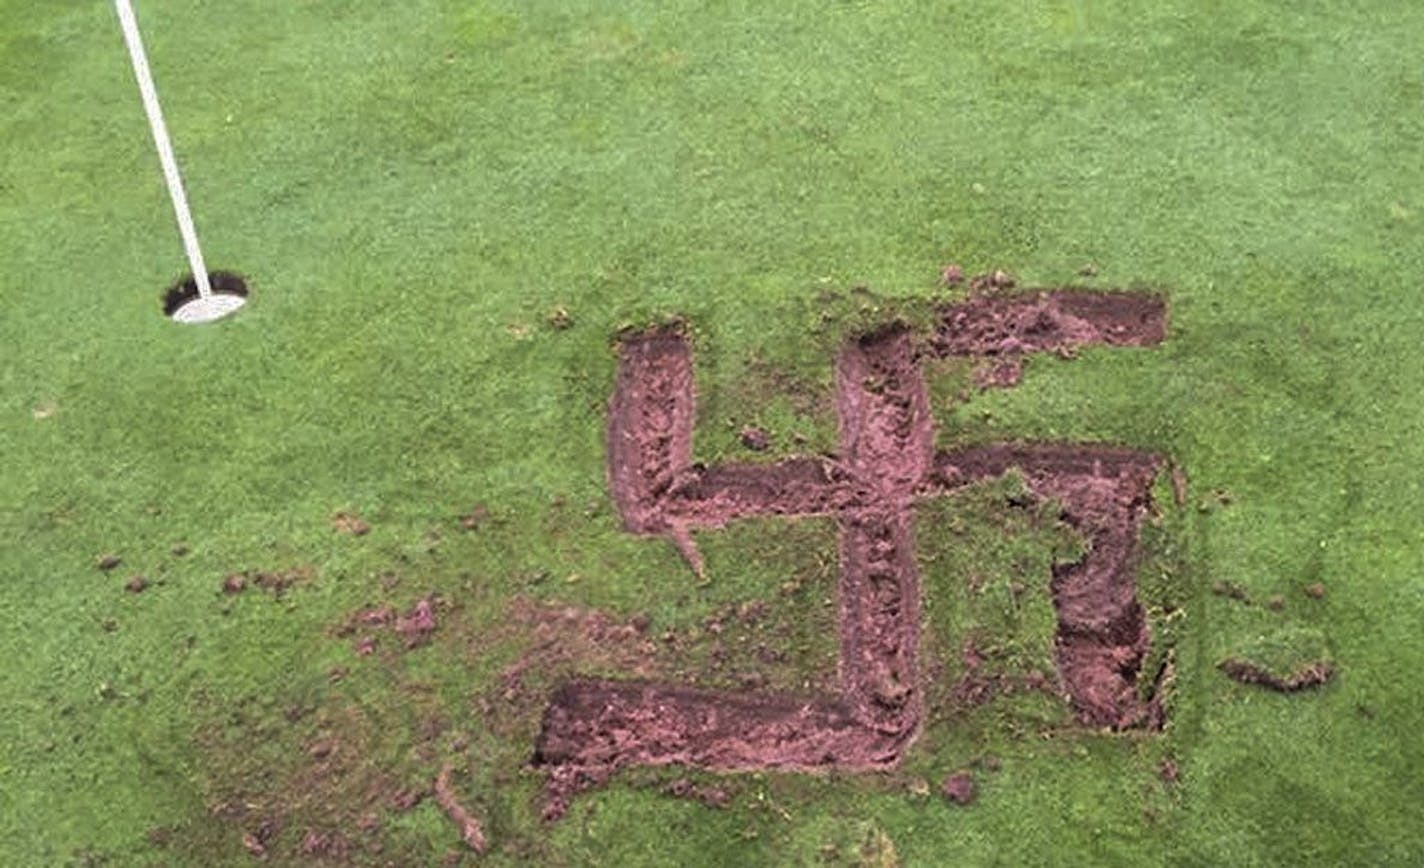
x: 471, y: 831
x: 1287, y: 659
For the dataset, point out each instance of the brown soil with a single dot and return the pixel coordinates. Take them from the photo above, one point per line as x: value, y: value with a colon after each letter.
x: 1102, y: 634
x: 414, y: 626
x: 350, y: 523
x: 1247, y: 672
x: 886, y: 461
x: 1056, y: 320
x: 959, y: 788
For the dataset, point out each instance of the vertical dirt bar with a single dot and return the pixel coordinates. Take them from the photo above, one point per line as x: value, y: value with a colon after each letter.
x: 593, y: 727
x: 649, y: 425
x: 887, y: 440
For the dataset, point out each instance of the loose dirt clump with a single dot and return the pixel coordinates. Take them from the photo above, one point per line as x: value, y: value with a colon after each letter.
x: 959, y: 788
x: 136, y: 585
x: 349, y: 523
x: 1315, y: 591
x: 755, y: 439
x: 108, y: 562
x: 951, y: 274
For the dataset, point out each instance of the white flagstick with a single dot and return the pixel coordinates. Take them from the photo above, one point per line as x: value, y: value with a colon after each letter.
x: 208, y: 307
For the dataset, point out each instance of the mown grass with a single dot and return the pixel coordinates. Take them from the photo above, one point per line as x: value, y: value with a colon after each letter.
x: 413, y: 188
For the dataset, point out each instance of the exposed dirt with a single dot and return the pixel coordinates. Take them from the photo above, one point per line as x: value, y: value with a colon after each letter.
x: 414, y: 626
x: 594, y: 727
x: 886, y: 460
x: 711, y: 796
x: 959, y: 788
x: 1102, y: 636
x: 350, y: 523
x: 275, y: 582
x: 108, y: 562
x: 301, y: 787
x: 755, y: 439
x: 136, y: 585
x: 1247, y: 672
x: 1056, y: 320
x: 185, y: 290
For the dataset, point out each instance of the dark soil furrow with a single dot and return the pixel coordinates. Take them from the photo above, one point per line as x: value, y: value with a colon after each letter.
x: 1055, y: 320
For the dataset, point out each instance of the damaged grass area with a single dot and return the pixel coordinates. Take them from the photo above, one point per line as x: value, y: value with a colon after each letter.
x: 1289, y: 658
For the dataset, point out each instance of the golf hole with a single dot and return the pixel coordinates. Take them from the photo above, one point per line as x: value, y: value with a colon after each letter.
x: 184, y: 303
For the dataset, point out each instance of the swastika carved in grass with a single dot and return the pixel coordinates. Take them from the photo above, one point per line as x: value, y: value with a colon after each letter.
x: 886, y: 462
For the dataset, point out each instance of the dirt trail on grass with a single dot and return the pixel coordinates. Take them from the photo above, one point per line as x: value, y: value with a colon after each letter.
x: 886, y: 461
x: 1056, y: 320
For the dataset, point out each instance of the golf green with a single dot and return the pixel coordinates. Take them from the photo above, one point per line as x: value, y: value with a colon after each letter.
x: 342, y: 578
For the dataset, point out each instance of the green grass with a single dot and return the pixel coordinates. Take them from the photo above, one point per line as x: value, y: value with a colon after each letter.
x: 413, y: 188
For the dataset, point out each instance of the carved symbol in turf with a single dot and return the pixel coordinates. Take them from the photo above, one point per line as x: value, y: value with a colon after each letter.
x: 886, y: 462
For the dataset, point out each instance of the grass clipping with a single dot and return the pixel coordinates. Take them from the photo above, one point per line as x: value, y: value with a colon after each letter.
x: 1287, y: 659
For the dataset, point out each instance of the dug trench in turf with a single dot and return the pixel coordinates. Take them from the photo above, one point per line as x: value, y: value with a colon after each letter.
x: 886, y: 461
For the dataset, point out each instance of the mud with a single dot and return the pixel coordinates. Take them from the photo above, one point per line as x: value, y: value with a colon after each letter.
x: 350, y: 523
x: 959, y: 788
x: 885, y: 462
x: 1058, y: 320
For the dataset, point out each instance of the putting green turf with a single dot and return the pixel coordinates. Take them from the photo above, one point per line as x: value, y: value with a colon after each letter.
x: 413, y: 188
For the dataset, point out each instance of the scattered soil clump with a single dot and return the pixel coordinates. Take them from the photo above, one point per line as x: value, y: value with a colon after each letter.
x: 959, y: 788
x: 108, y: 562
x: 350, y: 523
x: 755, y: 439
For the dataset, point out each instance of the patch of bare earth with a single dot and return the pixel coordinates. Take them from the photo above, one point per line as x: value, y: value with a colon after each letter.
x: 886, y: 461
